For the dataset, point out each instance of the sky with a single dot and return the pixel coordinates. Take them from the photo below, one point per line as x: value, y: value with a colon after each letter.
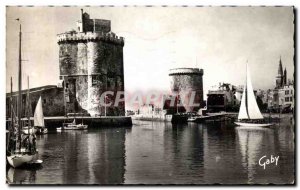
x: 219, y: 40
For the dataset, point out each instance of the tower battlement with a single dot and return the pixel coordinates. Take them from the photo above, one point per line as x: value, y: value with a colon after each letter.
x: 185, y: 71
x: 89, y: 36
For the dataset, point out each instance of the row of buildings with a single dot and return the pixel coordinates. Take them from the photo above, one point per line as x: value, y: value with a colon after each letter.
x: 91, y: 63
x: 227, y: 97
x: 224, y: 97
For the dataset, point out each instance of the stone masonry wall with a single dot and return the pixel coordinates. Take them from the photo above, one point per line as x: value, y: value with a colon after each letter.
x: 89, y: 68
x: 185, y: 83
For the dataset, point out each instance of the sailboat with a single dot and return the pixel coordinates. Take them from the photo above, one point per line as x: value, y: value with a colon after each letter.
x: 39, y: 122
x: 72, y: 125
x: 22, y: 147
x: 249, y: 113
x: 28, y: 129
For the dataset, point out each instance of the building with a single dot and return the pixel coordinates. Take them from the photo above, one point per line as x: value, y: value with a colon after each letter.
x: 223, y: 98
x: 281, y: 78
x: 52, y: 100
x: 91, y: 63
x: 282, y: 96
x: 188, y: 84
x: 286, y: 97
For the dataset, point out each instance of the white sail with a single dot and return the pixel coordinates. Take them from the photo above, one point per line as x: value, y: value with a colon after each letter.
x: 243, y: 110
x: 252, y: 108
x: 38, y: 114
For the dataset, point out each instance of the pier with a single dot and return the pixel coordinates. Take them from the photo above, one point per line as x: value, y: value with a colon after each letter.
x: 93, y: 122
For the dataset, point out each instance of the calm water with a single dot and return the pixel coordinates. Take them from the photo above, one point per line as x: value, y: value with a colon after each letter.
x: 159, y: 153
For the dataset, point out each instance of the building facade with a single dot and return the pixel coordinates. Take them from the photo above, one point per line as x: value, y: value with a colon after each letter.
x: 91, y: 63
x: 52, y: 101
x: 225, y: 97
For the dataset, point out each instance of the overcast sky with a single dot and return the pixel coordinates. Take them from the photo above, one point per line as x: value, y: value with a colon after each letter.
x: 218, y: 39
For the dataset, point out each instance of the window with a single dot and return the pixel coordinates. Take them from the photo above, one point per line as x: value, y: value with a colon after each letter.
x: 286, y: 92
x: 44, y: 101
x: 95, y: 79
x: 67, y: 85
x: 291, y: 99
x: 60, y: 77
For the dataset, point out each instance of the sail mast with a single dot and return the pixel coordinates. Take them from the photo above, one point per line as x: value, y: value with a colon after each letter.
x: 11, y: 130
x: 11, y: 105
x: 20, y: 88
x: 27, y: 107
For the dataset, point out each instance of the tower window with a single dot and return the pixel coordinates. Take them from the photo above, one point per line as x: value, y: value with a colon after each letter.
x: 96, y: 79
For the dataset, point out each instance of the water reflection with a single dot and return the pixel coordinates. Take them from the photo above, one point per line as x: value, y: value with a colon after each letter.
x: 162, y: 153
x: 253, y: 144
x: 21, y: 176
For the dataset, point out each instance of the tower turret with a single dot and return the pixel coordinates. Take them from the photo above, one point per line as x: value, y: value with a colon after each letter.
x: 279, y: 77
x: 284, y: 77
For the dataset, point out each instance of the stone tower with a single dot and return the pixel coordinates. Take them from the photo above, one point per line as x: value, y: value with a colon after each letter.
x: 91, y: 63
x: 279, y: 77
x: 187, y: 80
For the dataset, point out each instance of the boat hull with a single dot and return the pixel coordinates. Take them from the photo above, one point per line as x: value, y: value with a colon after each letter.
x: 42, y: 131
x: 253, y: 124
x: 31, y: 130
x: 73, y: 127
x: 17, y: 160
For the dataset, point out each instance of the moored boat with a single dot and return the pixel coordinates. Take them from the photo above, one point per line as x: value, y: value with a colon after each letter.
x: 249, y: 113
x: 72, y: 126
x: 39, y: 122
x: 21, y: 148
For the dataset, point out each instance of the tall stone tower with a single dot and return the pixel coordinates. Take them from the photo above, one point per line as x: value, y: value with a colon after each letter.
x: 184, y: 81
x: 90, y: 63
x: 279, y: 77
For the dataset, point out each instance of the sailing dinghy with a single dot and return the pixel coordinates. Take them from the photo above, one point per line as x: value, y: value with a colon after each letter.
x: 249, y: 114
x: 39, y: 122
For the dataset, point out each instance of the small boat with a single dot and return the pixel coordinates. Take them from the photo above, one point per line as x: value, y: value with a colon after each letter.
x: 21, y: 148
x: 19, y: 158
x: 29, y: 130
x: 39, y: 122
x: 72, y: 126
x: 192, y: 119
x: 249, y: 113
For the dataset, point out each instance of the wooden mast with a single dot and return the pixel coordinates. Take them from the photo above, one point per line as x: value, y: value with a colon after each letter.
x: 27, y: 106
x: 20, y: 88
x: 11, y: 105
x: 11, y: 130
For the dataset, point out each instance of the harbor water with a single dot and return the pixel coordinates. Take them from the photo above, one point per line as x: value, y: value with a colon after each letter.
x: 162, y: 153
